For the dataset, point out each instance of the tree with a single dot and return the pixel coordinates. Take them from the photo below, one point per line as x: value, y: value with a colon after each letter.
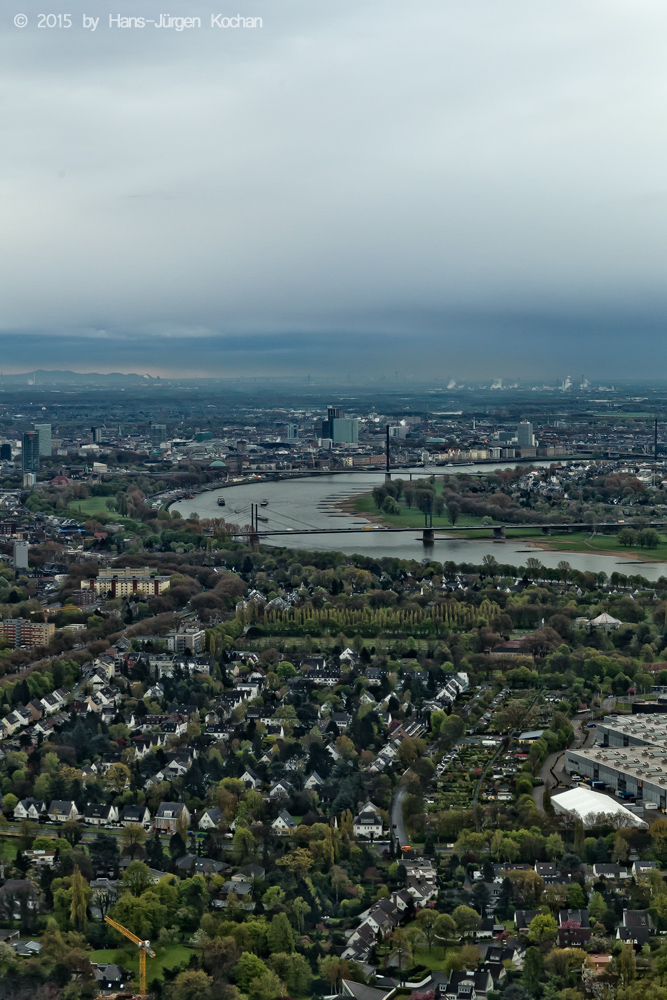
x: 72, y: 832
x: 533, y: 968
x: 193, y: 984
x: 445, y: 928
x: 266, y: 987
x: 467, y: 920
x: 27, y: 834
x: 300, y: 909
x: 132, y: 837
x: 137, y: 878
x: 403, y: 943
x: 104, y: 852
x: 80, y: 891
x: 247, y: 968
x: 274, y: 898
x: 453, y: 511
x: 244, y: 845
x: 482, y: 896
x: 658, y: 835
x: 554, y: 846
x: 543, y: 929
x: 627, y: 965
x: 145, y: 915
x: 597, y: 906
x: 339, y: 879
x: 621, y: 849
x: 293, y: 970
x: 334, y: 969
x: 280, y: 935
x: 299, y: 861
x: 427, y: 921
x: 118, y: 777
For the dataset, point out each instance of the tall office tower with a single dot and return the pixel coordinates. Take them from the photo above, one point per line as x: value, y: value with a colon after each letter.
x: 158, y: 433
x: 44, y: 431
x: 292, y: 432
x: 524, y: 435
x: 333, y: 414
x: 21, y: 555
x: 31, y: 451
x: 97, y: 434
x: 5, y: 453
x: 345, y: 430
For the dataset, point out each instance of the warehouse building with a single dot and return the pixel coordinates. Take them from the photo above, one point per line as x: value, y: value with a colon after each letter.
x: 639, y: 771
x: 632, y: 731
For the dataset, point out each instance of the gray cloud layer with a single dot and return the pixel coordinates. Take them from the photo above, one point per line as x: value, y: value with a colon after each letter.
x: 470, y: 177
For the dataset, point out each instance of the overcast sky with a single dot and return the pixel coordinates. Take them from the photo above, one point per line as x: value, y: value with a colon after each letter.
x: 447, y: 188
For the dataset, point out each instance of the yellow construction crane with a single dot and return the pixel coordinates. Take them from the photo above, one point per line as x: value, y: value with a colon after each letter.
x: 144, y: 949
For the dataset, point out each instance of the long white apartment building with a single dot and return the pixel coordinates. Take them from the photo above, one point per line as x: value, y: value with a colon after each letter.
x: 630, y: 756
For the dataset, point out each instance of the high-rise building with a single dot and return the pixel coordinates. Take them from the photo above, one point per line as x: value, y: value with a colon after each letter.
x: 22, y: 632
x: 341, y: 430
x: 5, y: 453
x: 97, y: 434
x: 44, y: 432
x: 292, y: 432
x: 345, y: 430
x: 30, y: 459
x: 158, y: 433
x: 21, y: 555
x: 524, y: 435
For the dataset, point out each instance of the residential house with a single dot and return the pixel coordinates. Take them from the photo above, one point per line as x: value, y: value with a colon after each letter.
x: 368, y: 822
x: 284, y: 823
x: 636, y: 929
x: 29, y: 809
x: 136, y: 814
x: 466, y: 985
x: 250, y: 779
x: 97, y: 814
x: 523, y: 919
x: 210, y: 818
x: 573, y: 928
x: 62, y: 810
x: 169, y: 814
x: 281, y: 789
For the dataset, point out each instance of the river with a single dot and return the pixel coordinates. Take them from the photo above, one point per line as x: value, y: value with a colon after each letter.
x: 310, y: 503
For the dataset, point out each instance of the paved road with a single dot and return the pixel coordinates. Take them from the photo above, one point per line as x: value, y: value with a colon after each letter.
x: 396, y: 817
x: 553, y: 765
x: 500, y: 749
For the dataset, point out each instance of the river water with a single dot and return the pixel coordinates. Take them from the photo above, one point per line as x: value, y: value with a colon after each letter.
x: 310, y: 503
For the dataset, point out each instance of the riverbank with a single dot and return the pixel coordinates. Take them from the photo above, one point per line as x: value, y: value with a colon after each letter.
x: 576, y: 542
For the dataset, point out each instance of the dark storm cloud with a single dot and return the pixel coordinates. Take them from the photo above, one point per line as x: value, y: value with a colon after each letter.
x: 474, y: 182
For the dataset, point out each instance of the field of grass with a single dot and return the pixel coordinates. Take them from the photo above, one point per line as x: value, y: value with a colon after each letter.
x: 170, y: 957
x: 433, y: 959
x: 576, y: 541
x: 581, y: 541
x: 93, y: 505
x: 409, y: 516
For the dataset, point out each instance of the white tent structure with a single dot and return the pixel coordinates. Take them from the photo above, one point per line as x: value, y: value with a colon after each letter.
x: 592, y: 808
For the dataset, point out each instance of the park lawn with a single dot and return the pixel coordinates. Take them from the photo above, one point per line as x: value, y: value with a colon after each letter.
x: 410, y: 517
x: 576, y: 541
x: 93, y: 505
x: 169, y: 957
x: 433, y: 959
x: 8, y: 848
x: 581, y: 541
